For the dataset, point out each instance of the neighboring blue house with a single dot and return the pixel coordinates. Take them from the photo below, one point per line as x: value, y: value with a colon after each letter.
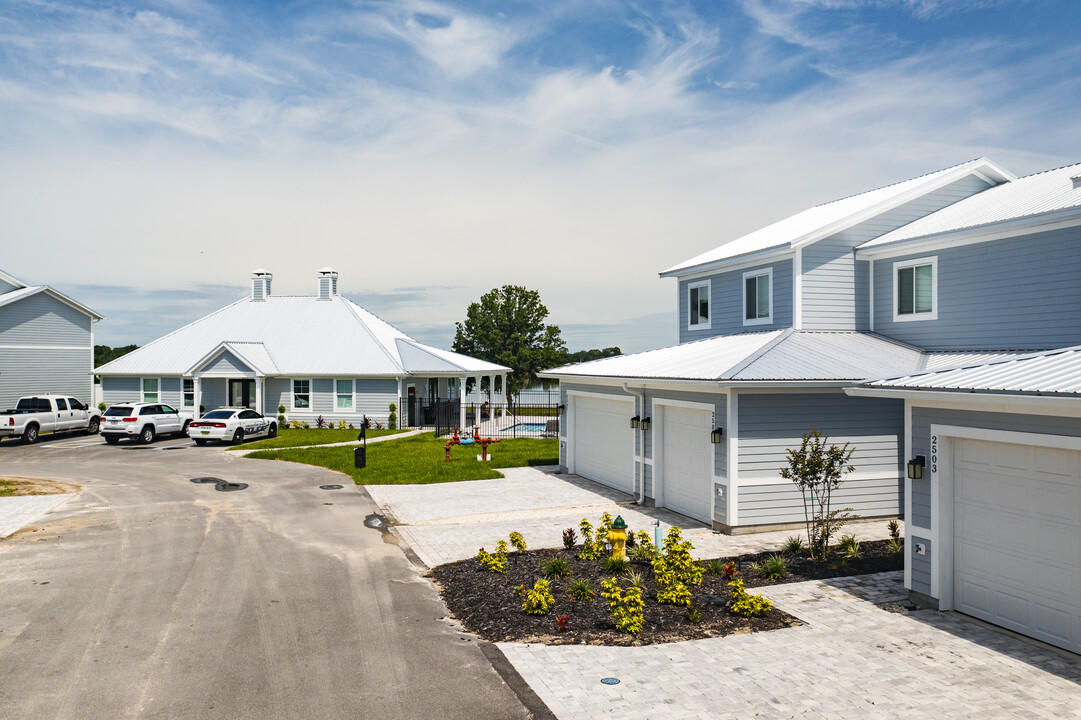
x: 46, y: 343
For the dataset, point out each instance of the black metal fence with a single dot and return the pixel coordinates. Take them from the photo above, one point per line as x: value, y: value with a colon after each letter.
x: 529, y: 414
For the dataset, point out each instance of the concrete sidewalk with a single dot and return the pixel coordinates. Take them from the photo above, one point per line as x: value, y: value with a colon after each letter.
x: 18, y: 512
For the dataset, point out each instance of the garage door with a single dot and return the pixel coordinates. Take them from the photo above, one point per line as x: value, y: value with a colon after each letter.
x: 604, y: 441
x: 688, y: 462
x: 1017, y: 538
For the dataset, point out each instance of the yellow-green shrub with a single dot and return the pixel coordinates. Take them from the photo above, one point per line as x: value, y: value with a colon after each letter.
x: 539, y: 600
x: 626, y: 606
x: 745, y: 604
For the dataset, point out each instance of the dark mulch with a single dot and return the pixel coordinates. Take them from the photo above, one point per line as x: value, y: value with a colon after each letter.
x: 485, y: 603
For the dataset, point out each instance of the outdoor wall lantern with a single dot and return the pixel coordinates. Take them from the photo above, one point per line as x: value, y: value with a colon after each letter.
x: 716, y: 436
x: 645, y: 423
x: 915, y: 467
x: 634, y: 422
x: 560, y: 408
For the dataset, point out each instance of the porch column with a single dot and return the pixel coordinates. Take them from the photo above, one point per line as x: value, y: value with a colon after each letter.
x: 461, y: 402
x: 259, y: 394
x: 196, y: 385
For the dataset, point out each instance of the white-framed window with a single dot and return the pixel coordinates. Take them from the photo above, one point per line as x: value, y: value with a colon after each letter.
x: 150, y: 390
x: 343, y: 393
x: 698, y: 305
x: 302, y: 398
x: 915, y: 289
x: 758, y: 297
x: 189, y: 392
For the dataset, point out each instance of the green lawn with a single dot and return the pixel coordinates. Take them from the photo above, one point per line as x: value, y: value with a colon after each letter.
x: 420, y: 459
x: 311, y: 436
x: 7, y: 488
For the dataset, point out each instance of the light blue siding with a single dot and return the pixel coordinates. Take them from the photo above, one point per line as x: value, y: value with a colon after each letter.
x: 120, y: 390
x: 43, y: 320
x: 226, y: 363
x: 213, y: 393
x: 322, y: 397
x: 770, y: 423
x: 170, y: 392
x: 1017, y: 293
x: 835, y: 287
x: 277, y: 391
x: 35, y: 372
x: 374, y: 395
x: 921, y: 564
x: 726, y: 302
x: 5, y: 287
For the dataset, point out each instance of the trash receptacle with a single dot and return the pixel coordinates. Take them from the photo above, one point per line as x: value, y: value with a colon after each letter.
x: 360, y: 457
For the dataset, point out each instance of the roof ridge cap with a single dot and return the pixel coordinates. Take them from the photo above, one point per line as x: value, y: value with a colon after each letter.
x: 349, y: 305
x: 755, y: 356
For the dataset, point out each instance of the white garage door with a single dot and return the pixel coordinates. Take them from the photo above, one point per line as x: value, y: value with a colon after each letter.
x: 1017, y: 538
x: 688, y: 462
x: 604, y: 441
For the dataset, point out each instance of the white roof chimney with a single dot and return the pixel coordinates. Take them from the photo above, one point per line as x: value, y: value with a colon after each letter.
x: 328, y: 283
x: 260, y: 284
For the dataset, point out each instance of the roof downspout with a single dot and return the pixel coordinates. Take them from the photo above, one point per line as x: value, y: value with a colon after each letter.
x: 641, y: 445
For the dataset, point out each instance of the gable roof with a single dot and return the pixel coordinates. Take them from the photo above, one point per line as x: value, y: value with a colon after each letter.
x: 28, y: 290
x: 1053, y: 372
x: 294, y: 335
x: 827, y: 219
x: 1034, y: 196
x: 774, y: 356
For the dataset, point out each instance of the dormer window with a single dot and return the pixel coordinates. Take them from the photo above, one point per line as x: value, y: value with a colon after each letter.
x: 758, y: 297
x: 698, y: 305
x: 915, y: 294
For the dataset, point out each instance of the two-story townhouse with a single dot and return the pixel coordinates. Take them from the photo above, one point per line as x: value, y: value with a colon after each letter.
x: 46, y: 342
x: 772, y: 327
x: 993, y: 493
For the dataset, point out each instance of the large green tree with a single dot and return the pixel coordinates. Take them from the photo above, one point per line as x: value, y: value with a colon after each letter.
x: 507, y: 327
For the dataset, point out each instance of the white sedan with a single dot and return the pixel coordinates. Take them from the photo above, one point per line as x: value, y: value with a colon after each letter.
x: 231, y: 424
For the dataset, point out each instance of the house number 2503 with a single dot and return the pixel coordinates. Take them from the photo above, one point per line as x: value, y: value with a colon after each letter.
x: 934, y: 453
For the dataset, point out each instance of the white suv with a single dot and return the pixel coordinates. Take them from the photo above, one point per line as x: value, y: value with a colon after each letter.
x: 142, y: 422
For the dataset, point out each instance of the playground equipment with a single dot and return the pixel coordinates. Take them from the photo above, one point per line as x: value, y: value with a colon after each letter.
x: 475, y: 440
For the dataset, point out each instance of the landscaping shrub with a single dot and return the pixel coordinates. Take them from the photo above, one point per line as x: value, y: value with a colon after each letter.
x: 636, y: 578
x: 731, y: 569
x: 897, y: 550
x: 643, y: 540
x: 581, y: 590
x: 518, y: 541
x: 895, y: 529
x: 793, y: 545
x: 591, y: 550
x: 496, y: 562
x: 694, y: 615
x: 561, y: 622
x: 674, y: 570
x: 569, y: 538
x: 640, y: 552
x: 342, y: 425
x: 320, y: 422
x: 774, y: 567
x: 615, y: 566
x: 746, y: 604
x: 626, y: 606
x: 392, y: 418
x: 714, y: 567
x: 556, y: 567
x: 539, y: 600
x: 849, y: 546
x: 102, y: 406
x: 818, y: 470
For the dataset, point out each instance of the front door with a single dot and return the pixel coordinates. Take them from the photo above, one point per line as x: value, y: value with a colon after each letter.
x: 411, y: 406
x: 242, y: 393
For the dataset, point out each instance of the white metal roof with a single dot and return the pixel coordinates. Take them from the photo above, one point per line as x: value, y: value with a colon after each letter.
x: 1034, y: 195
x: 824, y: 220
x: 291, y: 336
x: 778, y: 355
x: 1054, y: 372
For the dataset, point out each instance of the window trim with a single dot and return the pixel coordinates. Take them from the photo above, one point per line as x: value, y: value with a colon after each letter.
x: 352, y: 394
x: 293, y: 394
x: 156, y: 393
x: 700, y: 325
x: 184, y: 393
x: 914, y: 316
x: 768, y: 272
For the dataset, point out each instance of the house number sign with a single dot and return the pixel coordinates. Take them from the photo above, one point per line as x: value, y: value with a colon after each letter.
x: 934, y: 453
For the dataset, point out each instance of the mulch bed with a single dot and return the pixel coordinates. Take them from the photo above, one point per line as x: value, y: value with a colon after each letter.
x: 485, y: 603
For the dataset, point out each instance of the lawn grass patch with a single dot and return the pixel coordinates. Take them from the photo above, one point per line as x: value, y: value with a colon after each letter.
x: 7, y: 488
x: 301, y: 437
x: 420, y: 459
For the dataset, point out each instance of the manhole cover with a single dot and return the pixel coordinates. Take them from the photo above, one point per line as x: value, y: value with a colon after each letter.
x: 610, y: 681
x: 374, y: 521
x: 330, y: 487
x: 224, y: 486
x: 206, y: 480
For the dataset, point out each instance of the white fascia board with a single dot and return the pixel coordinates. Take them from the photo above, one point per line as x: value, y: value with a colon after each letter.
x: 747, y: 260
x: 982, y: 401
x: 1016, y: 227
x: 640, y: 383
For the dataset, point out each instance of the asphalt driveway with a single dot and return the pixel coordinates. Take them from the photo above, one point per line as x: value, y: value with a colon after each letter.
x: 148, y: 595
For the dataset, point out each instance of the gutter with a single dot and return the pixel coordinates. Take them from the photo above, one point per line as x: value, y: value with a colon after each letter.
x: 641, y: 445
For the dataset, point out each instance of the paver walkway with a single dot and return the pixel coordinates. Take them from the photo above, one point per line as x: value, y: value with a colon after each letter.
x: 18, y: 512
x: 851, y: 660
x: 449, y: 521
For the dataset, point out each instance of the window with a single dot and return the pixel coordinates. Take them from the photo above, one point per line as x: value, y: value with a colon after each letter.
x: 75, y: 404
x: 301, y: 395
x: 189, y: 392
x: 150, y: 390
x: 167, y: 410
x: 249, y: 415
x: 61, y: 404
x: 698, y: 305
x: 344, y: 393
x: 916, y: 293
x: 758, y: 297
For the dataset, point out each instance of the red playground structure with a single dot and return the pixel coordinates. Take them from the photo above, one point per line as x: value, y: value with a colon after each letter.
x: 475, y: 440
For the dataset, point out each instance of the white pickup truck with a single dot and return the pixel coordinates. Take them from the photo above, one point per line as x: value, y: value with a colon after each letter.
x: 40, y: 414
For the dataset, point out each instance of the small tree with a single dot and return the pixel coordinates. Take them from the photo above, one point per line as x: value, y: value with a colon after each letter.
x: 818, y: 470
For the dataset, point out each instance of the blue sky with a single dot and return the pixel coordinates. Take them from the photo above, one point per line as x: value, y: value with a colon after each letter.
x: 152, y: 154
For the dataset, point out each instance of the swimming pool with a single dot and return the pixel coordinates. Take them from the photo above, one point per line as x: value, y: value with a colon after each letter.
x: 528, y: 427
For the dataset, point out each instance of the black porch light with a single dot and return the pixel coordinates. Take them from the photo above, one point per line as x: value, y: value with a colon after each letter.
x: 717, y: 435
x: 634, y: 422
x: 644, y: 423
x: 915, y: 467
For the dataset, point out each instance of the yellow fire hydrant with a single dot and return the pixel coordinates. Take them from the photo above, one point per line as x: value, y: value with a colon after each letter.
x: 617, y: 538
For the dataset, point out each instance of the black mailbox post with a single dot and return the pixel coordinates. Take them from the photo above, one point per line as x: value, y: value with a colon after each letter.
x: 360, y: 454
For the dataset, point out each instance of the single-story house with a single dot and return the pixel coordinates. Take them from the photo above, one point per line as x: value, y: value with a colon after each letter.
x: 316, y: 355
x: 46, y: 343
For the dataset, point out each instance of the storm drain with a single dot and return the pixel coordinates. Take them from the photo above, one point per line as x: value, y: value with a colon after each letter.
x: 206, y: 480
x: 610, y: 681
x: 330, y: 487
